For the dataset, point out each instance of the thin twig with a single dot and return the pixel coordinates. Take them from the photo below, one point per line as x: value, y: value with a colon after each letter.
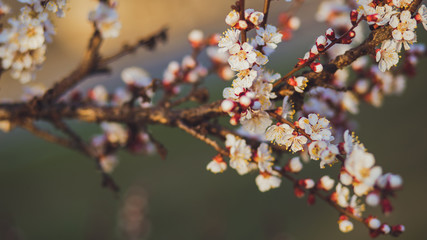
x: 202, y: 137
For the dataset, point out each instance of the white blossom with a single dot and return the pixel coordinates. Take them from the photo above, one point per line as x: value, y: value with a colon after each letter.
x: 404, y: 29
x: 387, y: 56
x: 316, y: 127
x: 267, y: 181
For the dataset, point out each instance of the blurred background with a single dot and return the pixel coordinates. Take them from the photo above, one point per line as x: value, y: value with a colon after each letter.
x: 49, y: 192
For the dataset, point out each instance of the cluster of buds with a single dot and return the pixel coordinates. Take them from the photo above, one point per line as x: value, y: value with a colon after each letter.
x: 252, y: 19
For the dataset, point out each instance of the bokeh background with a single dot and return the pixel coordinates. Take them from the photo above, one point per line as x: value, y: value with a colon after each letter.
x: 48, y: 192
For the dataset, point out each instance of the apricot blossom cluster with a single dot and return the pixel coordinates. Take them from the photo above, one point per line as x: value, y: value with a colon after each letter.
x: 306, y: 113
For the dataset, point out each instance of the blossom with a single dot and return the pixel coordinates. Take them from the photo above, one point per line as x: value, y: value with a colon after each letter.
x: 108, y: 163
x: 316, y: 127
x: 298, y: 83
x: 232, y: 18
x: 402, y: 3
x: 266, y: 181
x: 295, y: 142
x: 328, y: 155
x: 295, y: 165
x: 345, y: 226
x: 99, y: 95
x: 404, y: 29
x: 384, y: 14
x: 115, y: 132
x: 341, y: 195
x: 257, y: 123
x: 269, y: 38
x: 242, y: 59
x: 106, y: 20
x: 195, y: 38
x: 326, y: 183
x: 360, y: 164
x: 387, y: 56
x: 217, y: 165
x: 230, y: 41
x: 240, y: 154
x: 264, y: 158
x: 245, y: 78
x: 422, y: 11
x: 279, y: 133
x: 135, y: 76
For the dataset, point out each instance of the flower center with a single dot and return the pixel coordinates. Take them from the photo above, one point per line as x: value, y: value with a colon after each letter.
x: 242, y: 55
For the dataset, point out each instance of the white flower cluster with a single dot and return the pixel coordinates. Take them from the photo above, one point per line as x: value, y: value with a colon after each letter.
x: 106, y: 19
x: 249, y: 97
x: 396, y: 15
x: 243, y: 161
x: 23, y: 42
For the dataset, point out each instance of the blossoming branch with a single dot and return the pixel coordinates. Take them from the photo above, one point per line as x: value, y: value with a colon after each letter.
x: 283, y: 120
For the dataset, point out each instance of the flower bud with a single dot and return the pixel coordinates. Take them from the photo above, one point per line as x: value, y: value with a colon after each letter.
x: 345, y: 225
x: 316, y: 67
x: 227, y: 105
x: 346, y: 178
x: 330, y: 34
x: 242, y: 25
x: 397, y: 230
x: 245, y: 101
x: 294, y: 23
x: 321, y: 43
x: 373, y: 18
x: 373, y: 223
x: 235, y: 120
x: 326, y: 183
x: 373, y: 199
x: 294, y: 165
x: 385, y: 229
x: 196, y: 38
x: 232, y: 18
x: 354, y: 14
x: 306, y: 183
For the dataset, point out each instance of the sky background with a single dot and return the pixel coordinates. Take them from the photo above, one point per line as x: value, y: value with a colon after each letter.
x: 49, y: 192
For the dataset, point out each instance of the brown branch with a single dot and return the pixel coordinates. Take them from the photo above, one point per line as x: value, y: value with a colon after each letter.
x: 242, y: 17
x: 310, y: 60
x: 107, y: 180
x: 47, y: 136
x: 202, y: 137
x: 87, y: 66
x: 266, y: 10
x: 147, y: 42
